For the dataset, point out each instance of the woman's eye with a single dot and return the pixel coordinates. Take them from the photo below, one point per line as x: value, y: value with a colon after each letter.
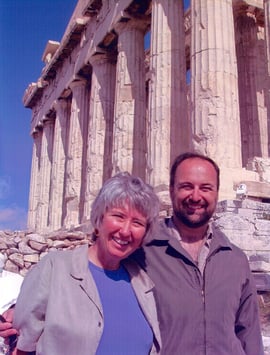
x: 139, y: 223
x: 118, y: 215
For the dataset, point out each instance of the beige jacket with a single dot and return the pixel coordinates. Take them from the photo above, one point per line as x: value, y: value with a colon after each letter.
x: 59, y: 310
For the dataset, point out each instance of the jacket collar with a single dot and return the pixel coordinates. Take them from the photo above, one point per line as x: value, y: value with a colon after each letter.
x: 167, y: 234
x: 80, y: 270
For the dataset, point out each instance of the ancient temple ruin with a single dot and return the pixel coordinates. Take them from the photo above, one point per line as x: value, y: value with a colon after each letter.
x: 132, y: 84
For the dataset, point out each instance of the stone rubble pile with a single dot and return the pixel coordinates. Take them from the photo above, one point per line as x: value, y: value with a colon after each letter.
x: 24, y: 249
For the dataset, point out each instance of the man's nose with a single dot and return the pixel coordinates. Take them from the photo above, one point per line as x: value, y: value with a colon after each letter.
x: 195, y: 195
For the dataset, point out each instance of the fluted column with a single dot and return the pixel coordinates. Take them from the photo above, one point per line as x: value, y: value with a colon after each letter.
x: 252, y: 73
x: 214, y: 82
x: 129, y: 147
x: 100, y: 129
x: 267, y: 30
x: 169, y: 129
x: 45, y: 174
x: 35, y: 181
x: 267, y: 41
x: 76, y: 153
x: 62, y: 108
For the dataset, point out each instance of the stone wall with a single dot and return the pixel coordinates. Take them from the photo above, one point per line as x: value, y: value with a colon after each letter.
x: 247, y: 224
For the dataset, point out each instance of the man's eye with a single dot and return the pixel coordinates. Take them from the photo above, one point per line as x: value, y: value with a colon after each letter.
x: 206, y: 188
x: 185, y: 187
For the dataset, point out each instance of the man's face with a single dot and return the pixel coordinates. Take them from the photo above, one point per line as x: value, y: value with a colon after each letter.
x: 194, y: 194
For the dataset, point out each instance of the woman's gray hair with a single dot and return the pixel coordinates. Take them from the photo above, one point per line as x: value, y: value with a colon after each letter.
x: 124, y: 188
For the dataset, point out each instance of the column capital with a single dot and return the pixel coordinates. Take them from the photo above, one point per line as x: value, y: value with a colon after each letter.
x: 78, y: 83
x: 49, y: 118
x: 103, y: 58
x: 61, y: 102
x: 35, y: 133
x: 128, y: 23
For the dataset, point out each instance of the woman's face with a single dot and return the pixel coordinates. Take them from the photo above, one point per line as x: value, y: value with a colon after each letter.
x: 121, y: 232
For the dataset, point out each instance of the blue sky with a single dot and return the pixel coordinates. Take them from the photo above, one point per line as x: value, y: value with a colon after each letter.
x: 25, y: 28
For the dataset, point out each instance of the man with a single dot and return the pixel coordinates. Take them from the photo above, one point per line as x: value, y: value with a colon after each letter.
x: 207, y: 302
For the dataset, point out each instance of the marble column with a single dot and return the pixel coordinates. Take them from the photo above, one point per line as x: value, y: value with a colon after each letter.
x: 129, y: 143
x: 214, y: 82
x: 252, y: 73
x: 75, y: 166
x: 62, y: 108
x: 45, y: 174
x: 267, y: 44
x: 169, y: 128
x: 35, y: 180
x: 100, y: 129
x: 267, y: 30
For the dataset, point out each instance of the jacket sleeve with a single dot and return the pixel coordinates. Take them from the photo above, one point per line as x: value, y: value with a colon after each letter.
x: 247, y: 324
x: 30, y: 309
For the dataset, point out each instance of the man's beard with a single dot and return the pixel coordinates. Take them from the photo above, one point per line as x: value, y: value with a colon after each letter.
x: 187, y: 220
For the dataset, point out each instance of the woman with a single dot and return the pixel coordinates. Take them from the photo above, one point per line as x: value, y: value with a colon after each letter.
x: 94, y: 300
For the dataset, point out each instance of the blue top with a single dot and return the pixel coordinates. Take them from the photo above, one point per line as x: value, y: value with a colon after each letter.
x: 126, y: 331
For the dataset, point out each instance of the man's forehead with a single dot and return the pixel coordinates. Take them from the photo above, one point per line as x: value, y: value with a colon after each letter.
x: 196, y: 170
x: 195, y: 164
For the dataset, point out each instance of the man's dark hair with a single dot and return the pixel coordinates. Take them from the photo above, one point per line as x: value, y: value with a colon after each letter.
x: 190, y: 155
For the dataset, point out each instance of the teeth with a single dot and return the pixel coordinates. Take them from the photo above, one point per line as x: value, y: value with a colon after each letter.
x: 120, y: 241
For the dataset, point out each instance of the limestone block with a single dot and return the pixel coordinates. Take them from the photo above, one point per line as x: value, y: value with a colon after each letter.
x: 3, y: 245
x: 10, y: 243
x: 246, y: 242
x: 37, y: 246
x: 31, y: 258
x: 261, y: 255
x: 262, y: 227
x: 233, y: 222
x: 262, y: 281
x: 36, y: 237
x: 77, y: 235
x: 49, y: 243
x: 259, y: 266
x: 12, y: 251
x: 17, y: 239
x: 61, y: 244
x: 25, y: 249
x: 10, y: 266
x: 17, y: 259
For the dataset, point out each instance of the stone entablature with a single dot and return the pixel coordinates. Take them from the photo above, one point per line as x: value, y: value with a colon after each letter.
x: 104, y: 104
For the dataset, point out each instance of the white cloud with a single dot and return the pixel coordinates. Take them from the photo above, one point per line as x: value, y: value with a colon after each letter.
x: 4, y: 186
x: 13, y: 218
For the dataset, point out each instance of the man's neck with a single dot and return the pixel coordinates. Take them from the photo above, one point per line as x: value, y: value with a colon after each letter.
x: 188, y: 234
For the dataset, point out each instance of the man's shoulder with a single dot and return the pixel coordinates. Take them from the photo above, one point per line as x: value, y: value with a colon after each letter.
x: 225, y: 241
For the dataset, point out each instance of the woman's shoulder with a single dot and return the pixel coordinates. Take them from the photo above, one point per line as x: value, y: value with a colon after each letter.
x: 60, y: 257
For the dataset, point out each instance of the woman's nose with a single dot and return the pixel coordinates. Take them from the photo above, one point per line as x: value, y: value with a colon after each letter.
x: 125, y: 228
